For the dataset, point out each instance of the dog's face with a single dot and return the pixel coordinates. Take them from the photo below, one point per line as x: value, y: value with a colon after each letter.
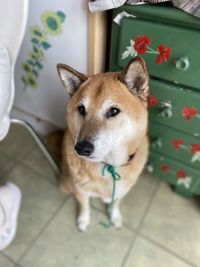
x: 106, y: 110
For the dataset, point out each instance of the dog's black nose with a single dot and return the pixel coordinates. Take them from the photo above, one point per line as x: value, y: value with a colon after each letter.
x: 84, y: 148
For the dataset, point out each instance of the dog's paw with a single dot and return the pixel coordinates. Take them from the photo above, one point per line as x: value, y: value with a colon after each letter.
x: 83, y: 222
x: 117, y: 221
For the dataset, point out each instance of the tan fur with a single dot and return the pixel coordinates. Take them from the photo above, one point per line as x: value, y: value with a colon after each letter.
x: 82, y: 177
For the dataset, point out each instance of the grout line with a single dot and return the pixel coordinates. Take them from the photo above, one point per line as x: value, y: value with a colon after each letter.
x: 8, y: 258
x: 148, y: 206
x: 42, y: 230
x: 129, y: 250
x: 140, y: 224
x: 155, y: 243
x: 20, y: 162
x: 15, y: 162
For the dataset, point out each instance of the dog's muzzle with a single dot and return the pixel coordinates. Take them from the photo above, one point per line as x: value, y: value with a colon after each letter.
x: 84, y: 148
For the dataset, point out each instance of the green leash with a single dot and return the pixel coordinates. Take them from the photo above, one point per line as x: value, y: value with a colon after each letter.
x: 116, y: 177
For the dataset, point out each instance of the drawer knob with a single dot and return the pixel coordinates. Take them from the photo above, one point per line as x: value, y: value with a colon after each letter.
x: 165, y: 110
x: 182, y: 63
x: 157, y: 143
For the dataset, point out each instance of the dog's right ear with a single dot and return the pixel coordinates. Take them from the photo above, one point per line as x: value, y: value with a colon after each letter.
x: 70, y: 78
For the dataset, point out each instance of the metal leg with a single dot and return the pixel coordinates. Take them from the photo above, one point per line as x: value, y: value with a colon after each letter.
x: 40, y: 143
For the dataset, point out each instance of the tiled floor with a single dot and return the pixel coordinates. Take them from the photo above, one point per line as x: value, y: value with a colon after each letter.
x: 161, y: 229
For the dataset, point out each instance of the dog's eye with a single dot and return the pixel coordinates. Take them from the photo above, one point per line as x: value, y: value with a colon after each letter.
x: 112, y: 112
x: 81, y: 110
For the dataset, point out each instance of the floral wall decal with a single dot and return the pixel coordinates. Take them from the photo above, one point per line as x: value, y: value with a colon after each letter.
x: 141, y: 45
x: 51, y: 26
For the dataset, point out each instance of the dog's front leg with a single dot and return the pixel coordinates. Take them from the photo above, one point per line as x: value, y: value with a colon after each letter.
x: 116, y: 216
x: 84, y: 210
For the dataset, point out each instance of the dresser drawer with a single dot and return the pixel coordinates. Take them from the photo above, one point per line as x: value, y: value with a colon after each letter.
x: 175, y: 107
x: 184, y: 178
x: 175, y: 144
x: 183, y: 66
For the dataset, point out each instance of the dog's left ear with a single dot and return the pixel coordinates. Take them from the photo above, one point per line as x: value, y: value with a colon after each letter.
x: 70, y: 78
x: 136, y: 78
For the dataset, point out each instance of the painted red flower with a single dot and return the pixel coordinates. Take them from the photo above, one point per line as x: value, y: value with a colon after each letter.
x: 152, y: 101
x: 177, y: 143
x: 164, y: 168
x: 195, y: 148
x: 180, y: 174
x: 164, y: 53
x: 141, y: 43
x: 188, y: 112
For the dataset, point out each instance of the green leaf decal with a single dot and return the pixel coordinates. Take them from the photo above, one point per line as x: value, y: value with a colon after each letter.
x: 61, y: 16
x: 51, y: 26
x: 35, y: 73
x: 46, y: 45
x: 34, y: 40
x: 40, y: 66
x: 35, y: 49
x: 30, y: 62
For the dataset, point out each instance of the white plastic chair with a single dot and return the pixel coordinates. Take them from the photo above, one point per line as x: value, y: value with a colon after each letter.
x: 13, y: 19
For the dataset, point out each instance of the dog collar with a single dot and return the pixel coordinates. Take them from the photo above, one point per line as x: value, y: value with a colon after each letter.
x: 130, y: 158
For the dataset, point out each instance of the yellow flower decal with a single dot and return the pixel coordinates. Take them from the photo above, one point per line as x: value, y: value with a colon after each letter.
x: 52, y: 23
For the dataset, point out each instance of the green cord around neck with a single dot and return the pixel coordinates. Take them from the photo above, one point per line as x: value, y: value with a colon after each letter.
x: 116, y: 177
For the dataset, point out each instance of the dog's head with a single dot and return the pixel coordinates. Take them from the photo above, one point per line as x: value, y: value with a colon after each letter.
x: 106, y: 110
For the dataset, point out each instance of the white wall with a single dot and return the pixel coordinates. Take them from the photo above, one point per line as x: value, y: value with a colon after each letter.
x: 48, y: 100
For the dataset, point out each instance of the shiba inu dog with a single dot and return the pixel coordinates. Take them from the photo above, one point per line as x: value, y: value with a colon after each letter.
x: 107, y: 124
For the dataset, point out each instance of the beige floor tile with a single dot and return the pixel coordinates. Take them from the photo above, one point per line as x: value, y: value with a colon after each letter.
x: 63, y: 245
x: 40, y: 200
x: 4, y: 262
x: 146, y: 254
x: 174, y: 222
x: 17, y: 142
x: 135, y: 202
x: 37, y: 161
x: 5, y: 165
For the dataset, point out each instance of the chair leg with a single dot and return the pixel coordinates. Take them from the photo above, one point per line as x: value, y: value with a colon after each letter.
x: 40, y: 143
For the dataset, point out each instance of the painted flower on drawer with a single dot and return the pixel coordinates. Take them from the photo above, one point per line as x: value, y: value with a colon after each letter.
x: 152, y: 101
x: 141, y: 45
x: 183, y: 179
x: 193, y: 149
x: 51, y: 26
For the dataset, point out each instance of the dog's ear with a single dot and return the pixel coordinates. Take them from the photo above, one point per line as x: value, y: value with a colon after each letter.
x: 136, y: 78
x: 70, y: 78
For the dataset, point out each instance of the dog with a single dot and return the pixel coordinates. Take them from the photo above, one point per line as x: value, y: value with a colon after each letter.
x: 107, y: 122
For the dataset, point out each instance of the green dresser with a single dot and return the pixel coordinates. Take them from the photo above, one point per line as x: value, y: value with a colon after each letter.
x: 174, y: 112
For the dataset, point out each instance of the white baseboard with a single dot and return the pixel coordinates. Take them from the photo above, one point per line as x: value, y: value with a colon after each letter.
x: 41, y: 126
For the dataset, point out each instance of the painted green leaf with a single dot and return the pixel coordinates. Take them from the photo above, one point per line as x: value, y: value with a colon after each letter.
x: 23, y: 80
x: 46, y: 45
x: 35, y: 49
x: 61, y: 16
x: 30, y: 62
x: 40, y: 66
x: 35, y: 73
x: 38, y: 33
x: 34, y: 40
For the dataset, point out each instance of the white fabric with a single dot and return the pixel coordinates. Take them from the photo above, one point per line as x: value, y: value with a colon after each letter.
x: 5, y: 90
x: 10, y: 199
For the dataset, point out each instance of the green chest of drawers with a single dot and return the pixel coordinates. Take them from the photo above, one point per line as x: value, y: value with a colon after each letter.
x: 174, y: 113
